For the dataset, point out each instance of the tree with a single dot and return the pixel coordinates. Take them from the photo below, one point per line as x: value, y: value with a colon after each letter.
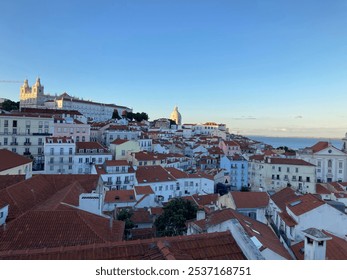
x: 125, y: 216
x: 176, y: 213
x: 137, y: 116
x: 9, y: 105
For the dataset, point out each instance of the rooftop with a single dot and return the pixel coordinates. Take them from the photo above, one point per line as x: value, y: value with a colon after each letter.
x: 12, y: 160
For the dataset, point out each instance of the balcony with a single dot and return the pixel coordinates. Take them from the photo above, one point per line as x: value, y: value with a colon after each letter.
x: 27, y: 154
x: 27, y: 143
x: 14, y: 144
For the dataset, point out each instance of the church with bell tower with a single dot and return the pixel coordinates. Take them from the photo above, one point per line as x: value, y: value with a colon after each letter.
x: 32, y: 97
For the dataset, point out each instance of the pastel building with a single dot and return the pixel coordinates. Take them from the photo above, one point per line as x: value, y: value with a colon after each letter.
x: 237, y: 168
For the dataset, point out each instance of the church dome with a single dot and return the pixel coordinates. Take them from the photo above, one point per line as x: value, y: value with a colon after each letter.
x: 176, y: 116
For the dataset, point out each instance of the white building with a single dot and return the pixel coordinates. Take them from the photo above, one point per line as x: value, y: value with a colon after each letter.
x: 116, y: 175
x: 330, y: 162
x: 291, y: 214
x: 87, y: 154
x: 59, y: 155
x: 70, y: 127
x: 113, y: 132
x: 256, y: 240
x: 276, y: 173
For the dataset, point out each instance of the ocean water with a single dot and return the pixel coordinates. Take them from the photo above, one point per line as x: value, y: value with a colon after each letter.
x: 295, y: 143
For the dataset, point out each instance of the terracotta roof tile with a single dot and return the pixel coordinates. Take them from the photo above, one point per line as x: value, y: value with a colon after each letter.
x: 304, y: 204
x: 289, y: 221
x: 320, y: 189
x: 253, y: 228
x: 141, y: 216
x: 319, y: 146
x: 250, y: 199
x: 27, y: 194
x: 210, y: 246
x: 48, y: 229
x: 143, y: 190
x: 12, y: 160
x: 336, y: 248
x: 89, y: 145
x: 152, y: 174
x: 120, y: 196
x: 116, y: 163
x: 9, y: 180
x: 289, y: 161
x: 283, y: 196
x: 119, y: 141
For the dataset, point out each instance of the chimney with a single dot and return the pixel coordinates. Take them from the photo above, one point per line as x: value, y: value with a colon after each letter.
x: 111, y: 222
x: 315, y: 244
x: 200, y: 215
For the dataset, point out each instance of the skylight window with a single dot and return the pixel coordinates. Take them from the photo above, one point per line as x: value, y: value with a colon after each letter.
x: 297, y: 202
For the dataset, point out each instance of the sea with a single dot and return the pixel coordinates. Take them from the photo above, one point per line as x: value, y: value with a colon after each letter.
x: 295, y: 143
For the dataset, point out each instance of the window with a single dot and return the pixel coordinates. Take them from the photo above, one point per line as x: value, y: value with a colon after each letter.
x: 330, y: 163
x: 1, y: 214
x: 288, y: 169
x: 340, y: 164
x: 5, y: 141
x: 61, y: 159
x: 5, y: 123
x: 279, y: 169
x: 99, y: 160
x: 14, y: 123
x: 297, y: 170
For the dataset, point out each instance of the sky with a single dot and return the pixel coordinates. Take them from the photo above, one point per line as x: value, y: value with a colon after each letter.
x: 269, y: 67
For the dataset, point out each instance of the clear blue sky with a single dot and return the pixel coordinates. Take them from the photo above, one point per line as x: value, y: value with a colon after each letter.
x: 269, y: 67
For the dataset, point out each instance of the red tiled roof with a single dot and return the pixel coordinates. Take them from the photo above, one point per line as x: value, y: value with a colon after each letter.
x: 283, y: 196
x: 152, y: 174
x: 209, y: 246
x: 319, y: 146
x: 12, y: 160
x: 9, y: 180
x: 120, y: 196
x: 289, y: 161
x: 320, y: 189
x: 27, y: 194
x: 116, y: 163
x: 250, y: 199
x: 289, y: 221
x: 336, y: 186
x: 89, y: 145
x: 148, y: 156
x: 203, y: 200
x: 119, y: 141
x: 253, y: 228
x: 178, y: 174
x: 231, y: 143
x: 304, y: 204
x: 143, y: 190
x: 257, y: 158
x: 48, y: 229
x: 336, y: 248
x: 157, y: 211
x: 141, y: 216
